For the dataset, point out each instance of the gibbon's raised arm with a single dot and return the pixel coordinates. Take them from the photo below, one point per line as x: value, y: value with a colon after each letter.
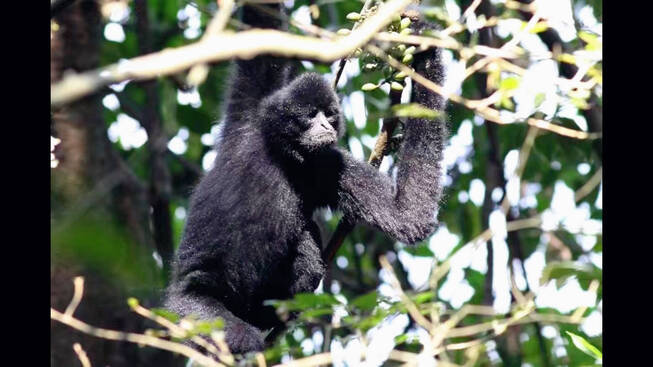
x: 404, y: 210
x: 260, y: 76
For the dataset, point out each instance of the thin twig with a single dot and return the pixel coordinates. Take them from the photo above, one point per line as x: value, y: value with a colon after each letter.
x: 314, y: 360
x: 516, y: 225
x: 496, y: 325
x: 470, y: 10
x: 410, y: 306
x: 179, y: 332
x: 68, y: 319
x: 483, y: 111
x: 78, y: 292
x: 506, y: 46
x: 589, y: 186
x: 578, y: 314
x: 81, y: 354
x: 260, y: 360
x: 437, y: 40
x: 133, y: 338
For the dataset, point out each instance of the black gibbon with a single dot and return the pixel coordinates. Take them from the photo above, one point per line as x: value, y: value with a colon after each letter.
x: 249, y: 235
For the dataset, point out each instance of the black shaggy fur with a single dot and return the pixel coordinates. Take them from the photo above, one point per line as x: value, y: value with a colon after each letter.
x: 249, y: 235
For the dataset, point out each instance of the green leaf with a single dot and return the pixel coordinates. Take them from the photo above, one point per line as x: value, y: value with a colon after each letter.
x: 421, y: 250
x: 423, y: 297
x: 400, y: 339
x: 168, y: 315
x: 539, y: 27
x: 365, y: 302
x: 562, y: 270
x: 592, y: 40
x: 509, y: 83
x: 308, y: 314
x: 311, y: 300
x: 506, y: 103
x: 373, y: 320
x: 539, y: 98
x: 206, y: 327
x: 585, y: 346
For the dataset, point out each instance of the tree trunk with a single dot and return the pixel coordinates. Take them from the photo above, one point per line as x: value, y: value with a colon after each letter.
x: 93, y: 184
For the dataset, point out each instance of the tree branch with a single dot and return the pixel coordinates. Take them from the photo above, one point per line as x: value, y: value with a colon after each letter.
x: 223, y: 46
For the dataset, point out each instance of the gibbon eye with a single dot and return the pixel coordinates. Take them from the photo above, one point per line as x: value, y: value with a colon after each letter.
x: 331, y: 112
x: 312, y: 112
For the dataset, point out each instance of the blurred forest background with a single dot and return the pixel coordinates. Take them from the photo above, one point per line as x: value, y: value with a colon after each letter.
x: 512, y: 277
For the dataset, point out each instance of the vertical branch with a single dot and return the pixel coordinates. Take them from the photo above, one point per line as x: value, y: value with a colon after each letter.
x: 493, y: 179
x: 508, y: 346
x: 494, y: 168
x: 160, y: 182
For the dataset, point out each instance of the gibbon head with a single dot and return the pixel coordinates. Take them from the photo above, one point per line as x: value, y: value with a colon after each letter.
x: 303, y: 117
